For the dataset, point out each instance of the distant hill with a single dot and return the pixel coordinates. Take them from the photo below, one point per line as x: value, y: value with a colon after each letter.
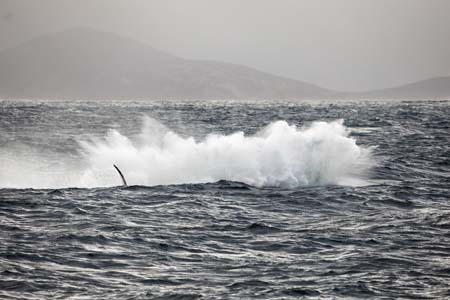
x: 430, y: 89
x: 88, y: 64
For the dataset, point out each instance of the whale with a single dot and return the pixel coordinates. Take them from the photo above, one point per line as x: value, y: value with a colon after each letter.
x: 124, y: 182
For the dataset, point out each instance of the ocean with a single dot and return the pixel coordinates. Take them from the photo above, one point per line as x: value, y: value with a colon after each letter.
x: 225, y: 200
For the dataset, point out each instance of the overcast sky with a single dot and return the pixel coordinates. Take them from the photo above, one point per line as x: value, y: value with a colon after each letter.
x: 347, y: 45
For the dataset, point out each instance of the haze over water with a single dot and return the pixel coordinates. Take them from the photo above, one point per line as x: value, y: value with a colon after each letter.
x: 326, y: 176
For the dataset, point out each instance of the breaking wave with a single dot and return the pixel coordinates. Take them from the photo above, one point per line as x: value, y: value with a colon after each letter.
x: 279, y: 155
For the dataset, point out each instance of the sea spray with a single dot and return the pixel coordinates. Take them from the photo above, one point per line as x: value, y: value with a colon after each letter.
x: 279, y: 155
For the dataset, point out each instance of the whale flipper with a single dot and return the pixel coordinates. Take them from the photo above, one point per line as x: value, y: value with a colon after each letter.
x: 124, y: 182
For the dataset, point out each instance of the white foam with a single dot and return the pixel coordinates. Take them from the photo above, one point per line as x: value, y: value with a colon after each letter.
x: 278, y: 155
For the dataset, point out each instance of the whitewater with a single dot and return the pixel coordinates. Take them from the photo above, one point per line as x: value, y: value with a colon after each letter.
x: 278, y: 155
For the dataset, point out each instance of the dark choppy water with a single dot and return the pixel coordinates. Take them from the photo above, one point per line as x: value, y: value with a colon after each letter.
x: 294, y: 235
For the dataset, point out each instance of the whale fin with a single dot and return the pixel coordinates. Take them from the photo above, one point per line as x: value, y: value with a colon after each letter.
x: 124, y: 182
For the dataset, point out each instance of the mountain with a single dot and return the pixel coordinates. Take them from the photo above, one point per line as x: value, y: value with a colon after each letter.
x: 430, y: 89
x: 89, y: 64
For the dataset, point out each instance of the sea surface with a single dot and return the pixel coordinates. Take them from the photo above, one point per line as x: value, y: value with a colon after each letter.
x: 225, y: 200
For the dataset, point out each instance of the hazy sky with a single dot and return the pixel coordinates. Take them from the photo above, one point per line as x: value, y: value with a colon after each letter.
x: 338, y: 44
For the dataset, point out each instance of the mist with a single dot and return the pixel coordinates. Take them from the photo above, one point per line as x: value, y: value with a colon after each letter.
x: 351, y: 45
